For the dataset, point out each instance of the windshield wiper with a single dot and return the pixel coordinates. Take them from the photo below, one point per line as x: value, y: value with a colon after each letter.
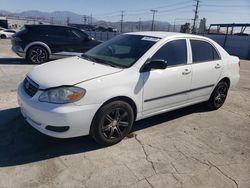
x: 101, y: 61
x: 105, y: 62
x: 85, y: 56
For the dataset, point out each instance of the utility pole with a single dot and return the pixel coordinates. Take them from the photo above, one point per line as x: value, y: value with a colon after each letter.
x: 174, y: 25
x: 91, y: 19
x: 85, y: 19
x: 195, y: 15
x: 122, y: 16
x: 52, y: 20
x: 153, y: 20
x: 139, y: 27
x: 67, y: 21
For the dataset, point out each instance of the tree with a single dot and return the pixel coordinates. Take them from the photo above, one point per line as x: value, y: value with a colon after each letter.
x: 185, y: 28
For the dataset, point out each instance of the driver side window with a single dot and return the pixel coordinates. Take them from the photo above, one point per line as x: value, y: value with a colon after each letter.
x: 174, y: 52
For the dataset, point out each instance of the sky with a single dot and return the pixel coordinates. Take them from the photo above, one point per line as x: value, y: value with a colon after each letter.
x: 178, y: 11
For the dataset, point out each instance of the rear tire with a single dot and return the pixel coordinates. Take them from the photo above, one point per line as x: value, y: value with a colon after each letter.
x: 218, y: 96
x: 112, y: 123
x: 37, y: 55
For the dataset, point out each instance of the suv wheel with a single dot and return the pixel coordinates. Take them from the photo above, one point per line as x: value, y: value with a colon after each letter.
x: 218, y: 96
x: 37, y: 55
x: 112, y: 123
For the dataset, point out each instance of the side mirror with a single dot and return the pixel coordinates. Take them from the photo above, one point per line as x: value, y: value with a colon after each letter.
x: 154, y: 64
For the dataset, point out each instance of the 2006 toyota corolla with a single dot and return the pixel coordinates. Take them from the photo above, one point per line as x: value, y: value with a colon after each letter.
x: 131, y: 77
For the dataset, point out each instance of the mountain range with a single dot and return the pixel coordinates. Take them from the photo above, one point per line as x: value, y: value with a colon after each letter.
x: 64, y: 17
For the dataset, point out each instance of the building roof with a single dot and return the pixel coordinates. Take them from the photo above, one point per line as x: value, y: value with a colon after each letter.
x: 231, y: 25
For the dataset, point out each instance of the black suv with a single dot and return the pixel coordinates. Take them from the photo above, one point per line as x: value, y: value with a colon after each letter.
x: 39, y: 43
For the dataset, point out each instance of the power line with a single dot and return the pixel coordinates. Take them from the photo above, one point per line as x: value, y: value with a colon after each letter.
x: 147, y: 9
x: 105, y: 14
x: 161, y: 7
x: 153, y: 19
x: 223, y: 6
x: 166, y: 11
x: 195, y: 15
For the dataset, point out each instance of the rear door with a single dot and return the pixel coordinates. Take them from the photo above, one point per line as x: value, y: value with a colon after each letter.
x: 206, y: 67
x: 55, y: 37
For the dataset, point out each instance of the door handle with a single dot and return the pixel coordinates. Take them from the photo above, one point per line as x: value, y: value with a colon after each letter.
x: 217, y: 66
x: 186, y: 72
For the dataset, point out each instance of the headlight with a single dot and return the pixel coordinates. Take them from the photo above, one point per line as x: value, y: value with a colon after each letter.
x: 62, y: 95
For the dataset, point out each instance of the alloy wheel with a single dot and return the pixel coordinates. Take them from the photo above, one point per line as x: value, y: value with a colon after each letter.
x: 220, y: 95
x: 38, y: 55
x: 115, y: 123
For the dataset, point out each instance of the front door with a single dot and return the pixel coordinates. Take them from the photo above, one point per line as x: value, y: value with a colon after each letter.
x: 164, y: 89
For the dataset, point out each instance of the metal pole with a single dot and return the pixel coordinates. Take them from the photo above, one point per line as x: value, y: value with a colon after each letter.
x: 139, y: 27
x: 122, y: 16
x: 67, y: 21
x: 195, y: 15
x: 174, y: 25
x: 153, y: 19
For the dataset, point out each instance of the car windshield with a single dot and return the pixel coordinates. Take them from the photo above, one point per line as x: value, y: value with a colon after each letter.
x: 121, y: 51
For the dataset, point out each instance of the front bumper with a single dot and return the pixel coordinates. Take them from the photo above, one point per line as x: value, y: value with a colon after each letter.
x: 40, y: 115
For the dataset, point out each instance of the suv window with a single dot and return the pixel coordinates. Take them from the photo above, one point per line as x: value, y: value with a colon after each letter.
x: 174, y: 52
x: 74, y: 33
x: 203, y: 51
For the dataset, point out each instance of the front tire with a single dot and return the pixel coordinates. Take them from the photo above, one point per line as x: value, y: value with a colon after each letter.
x: 37, y: 55
x: 218, y: 96
x: 112, y: 123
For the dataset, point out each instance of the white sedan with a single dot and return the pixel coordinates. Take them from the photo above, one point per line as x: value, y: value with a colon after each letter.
x: 128, y: 78
x: 7, y: 33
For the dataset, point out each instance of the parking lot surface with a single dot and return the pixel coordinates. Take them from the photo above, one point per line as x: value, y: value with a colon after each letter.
x: 190, y: 147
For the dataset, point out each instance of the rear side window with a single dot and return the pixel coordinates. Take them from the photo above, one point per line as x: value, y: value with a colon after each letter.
x: 74, y: 33
x: 51, y: 31
x: 203, y: 51
x: 174, y: 52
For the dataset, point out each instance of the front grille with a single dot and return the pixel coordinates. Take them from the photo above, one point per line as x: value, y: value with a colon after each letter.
x: 30, y: 87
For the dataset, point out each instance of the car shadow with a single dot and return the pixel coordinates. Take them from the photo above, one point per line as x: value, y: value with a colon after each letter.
x: 22, y: 144
x: 13, y: 61
x: 168, y: 116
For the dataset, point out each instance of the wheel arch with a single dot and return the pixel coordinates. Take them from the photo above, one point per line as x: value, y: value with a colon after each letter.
x: 227, y: 80
x: 125, y: 99
x: 2, y: 34
x: 118, y: 98
x: 37, y: 43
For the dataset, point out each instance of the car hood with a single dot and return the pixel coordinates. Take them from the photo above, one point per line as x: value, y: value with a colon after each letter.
x: 68, y: 71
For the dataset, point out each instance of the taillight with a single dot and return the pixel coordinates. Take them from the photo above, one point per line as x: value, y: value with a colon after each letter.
x: 239, y: 64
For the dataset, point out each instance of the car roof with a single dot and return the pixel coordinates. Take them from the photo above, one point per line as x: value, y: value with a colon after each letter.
x: 162, y: 34
x: 48, y: 25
